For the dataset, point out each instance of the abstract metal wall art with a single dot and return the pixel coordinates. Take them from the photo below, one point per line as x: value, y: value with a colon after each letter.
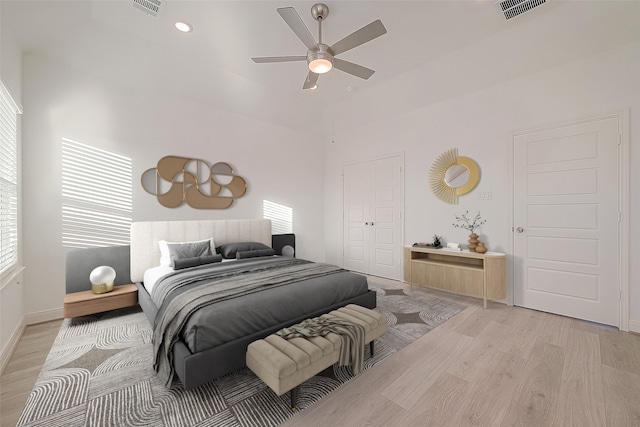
x: 175, y: 180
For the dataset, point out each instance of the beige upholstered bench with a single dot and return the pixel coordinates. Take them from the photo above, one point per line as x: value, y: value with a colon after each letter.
x: 285, y: 364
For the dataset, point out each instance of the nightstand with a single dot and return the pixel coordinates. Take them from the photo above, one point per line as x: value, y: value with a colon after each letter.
x: 86, y: 302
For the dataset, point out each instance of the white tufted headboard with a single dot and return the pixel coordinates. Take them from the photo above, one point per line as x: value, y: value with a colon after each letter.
x: 145, y: 252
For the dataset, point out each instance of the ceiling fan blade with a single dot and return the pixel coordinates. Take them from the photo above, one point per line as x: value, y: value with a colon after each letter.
x: 265, y: 59
x: 294, y: 21
x: 354, y: 69
x: 361, y: 36
x: 310, y: 81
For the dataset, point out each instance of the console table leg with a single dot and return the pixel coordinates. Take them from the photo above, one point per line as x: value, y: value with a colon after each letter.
x: 484, y: 290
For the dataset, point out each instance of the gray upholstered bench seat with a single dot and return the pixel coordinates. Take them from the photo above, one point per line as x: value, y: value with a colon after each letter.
x: 285, y: 364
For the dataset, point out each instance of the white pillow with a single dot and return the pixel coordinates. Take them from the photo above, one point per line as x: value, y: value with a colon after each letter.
x: 178, y: 250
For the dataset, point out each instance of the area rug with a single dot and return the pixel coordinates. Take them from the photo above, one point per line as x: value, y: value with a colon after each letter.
x: 99, y: 373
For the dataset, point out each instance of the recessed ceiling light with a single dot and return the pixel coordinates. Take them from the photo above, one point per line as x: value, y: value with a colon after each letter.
x: 183, y: 26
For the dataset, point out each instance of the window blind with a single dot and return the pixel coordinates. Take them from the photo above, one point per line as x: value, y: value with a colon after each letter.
x: 281, y: 217
x: 9, y: 111
x: 96, y: 196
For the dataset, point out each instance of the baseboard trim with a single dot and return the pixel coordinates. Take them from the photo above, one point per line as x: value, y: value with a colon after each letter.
x: 12, y: 345
x: 634, y: 326
x: 44, y: 316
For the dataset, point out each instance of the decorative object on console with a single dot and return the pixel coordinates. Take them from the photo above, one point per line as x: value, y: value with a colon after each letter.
x: 102, y: 279
x: 451, y: 176
x: 481, y: 248
x: 175, y: 180
x: 473, y: 242
x: 465, y: 222
x: 437, y: 243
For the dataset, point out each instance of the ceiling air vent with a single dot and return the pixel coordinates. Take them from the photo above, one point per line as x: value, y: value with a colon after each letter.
x: 512, y: 8
x: 152, y: 7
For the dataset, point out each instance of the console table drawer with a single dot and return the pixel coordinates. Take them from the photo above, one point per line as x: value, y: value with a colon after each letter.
x: 460, y: 280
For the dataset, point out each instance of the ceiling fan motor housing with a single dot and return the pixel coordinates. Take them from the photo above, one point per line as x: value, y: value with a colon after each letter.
x: 322, y: 52
x: 319, y: 11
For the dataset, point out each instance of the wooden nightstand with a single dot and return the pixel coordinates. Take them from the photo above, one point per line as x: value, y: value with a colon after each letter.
x: 86, y: 302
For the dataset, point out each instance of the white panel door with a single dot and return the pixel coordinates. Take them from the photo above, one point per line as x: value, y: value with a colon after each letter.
x: 356, y: 217
x: 373, y: 217
x: 566, y: 220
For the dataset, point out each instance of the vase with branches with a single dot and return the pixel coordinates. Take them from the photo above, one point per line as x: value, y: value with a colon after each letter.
x: 463, y: 221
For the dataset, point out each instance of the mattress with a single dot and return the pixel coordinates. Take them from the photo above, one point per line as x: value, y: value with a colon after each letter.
x: 229, y: 319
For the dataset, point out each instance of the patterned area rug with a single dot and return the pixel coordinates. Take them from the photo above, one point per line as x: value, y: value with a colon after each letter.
x: 99, y: 373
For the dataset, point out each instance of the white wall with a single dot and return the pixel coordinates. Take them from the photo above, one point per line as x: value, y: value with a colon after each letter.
x: 281, y: 165
x: 11, y: 289
x: 479, y: 124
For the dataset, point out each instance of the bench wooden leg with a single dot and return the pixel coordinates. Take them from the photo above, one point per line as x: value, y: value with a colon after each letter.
x: 371, y: 348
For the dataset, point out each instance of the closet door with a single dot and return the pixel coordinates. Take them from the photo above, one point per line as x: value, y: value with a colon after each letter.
x: 373, y: 217
x: 356, y: 217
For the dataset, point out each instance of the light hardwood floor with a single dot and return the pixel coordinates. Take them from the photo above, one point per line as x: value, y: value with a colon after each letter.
x: 501, y: 366
x: 23, y: 368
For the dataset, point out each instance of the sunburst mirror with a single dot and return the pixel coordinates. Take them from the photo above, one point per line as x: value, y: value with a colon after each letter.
x: 451, y: 176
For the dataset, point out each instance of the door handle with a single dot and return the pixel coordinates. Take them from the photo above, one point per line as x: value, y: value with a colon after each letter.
x: 519, y: 230
x: 368, y: 223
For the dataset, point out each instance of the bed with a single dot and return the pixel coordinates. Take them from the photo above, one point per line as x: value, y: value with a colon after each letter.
x: 203, y: 349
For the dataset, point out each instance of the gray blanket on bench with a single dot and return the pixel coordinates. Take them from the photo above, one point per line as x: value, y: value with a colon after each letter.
x: 185, y: 292
x: 351, y: 337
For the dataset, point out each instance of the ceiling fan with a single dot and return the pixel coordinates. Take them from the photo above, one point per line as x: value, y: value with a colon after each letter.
x: 320, y: 57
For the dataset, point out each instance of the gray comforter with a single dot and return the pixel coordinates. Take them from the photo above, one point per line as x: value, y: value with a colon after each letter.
x: 209, y: 305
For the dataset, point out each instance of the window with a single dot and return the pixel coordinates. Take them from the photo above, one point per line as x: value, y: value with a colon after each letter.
x: 281, y: 217
x: 96, y: 196
x: 9, y: 111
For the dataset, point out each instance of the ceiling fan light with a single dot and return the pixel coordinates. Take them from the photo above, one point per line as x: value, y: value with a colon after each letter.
x: 320, y: 65
x: 321, y: 60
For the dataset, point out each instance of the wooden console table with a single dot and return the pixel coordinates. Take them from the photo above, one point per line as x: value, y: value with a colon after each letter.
x: 461, y: 272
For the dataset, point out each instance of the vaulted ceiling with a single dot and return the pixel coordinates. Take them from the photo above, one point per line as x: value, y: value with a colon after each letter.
x: 212, y: 64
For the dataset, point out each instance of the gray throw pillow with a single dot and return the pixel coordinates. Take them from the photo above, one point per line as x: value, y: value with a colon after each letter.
x: 229, y: 250
x: 188, y: 250
x: 179, y: 264
x: 255, y: 253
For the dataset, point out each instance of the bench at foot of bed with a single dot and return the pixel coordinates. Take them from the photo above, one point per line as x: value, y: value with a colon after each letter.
x: 285, y: 364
